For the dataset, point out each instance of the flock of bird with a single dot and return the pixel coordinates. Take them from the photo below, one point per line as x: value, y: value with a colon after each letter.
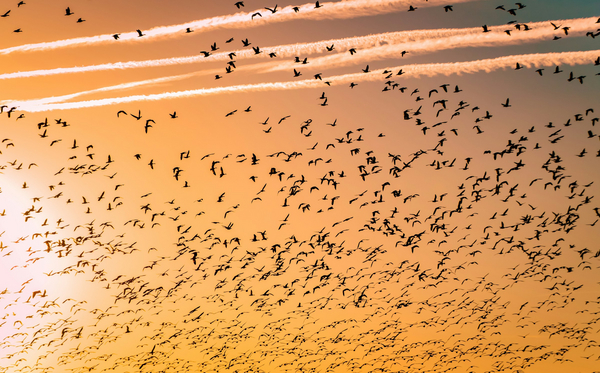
x: 68, y: 12
x: 338, y: 252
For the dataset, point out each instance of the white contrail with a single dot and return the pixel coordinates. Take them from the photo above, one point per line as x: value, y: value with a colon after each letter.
x: 384, y: 45
x: 342, y: 9
x: 281, y: 51
x: 413, y: 71
x: 472, y: 37
x: 123, y: 86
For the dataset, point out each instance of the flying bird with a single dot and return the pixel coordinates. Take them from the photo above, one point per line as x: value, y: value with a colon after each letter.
x: 272, y: 10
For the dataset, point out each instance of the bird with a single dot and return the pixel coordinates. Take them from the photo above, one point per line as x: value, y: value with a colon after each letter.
x: 272, y: 10
x: 68, y: 12
x: 239, y: 4
x: 140, y: 33
x: 311, y: 252
x: 148, y: 125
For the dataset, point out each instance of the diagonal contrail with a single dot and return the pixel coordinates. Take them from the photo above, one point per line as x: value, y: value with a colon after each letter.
x: 342, y: 9
x: 413, y: 71
x: 384, y: 45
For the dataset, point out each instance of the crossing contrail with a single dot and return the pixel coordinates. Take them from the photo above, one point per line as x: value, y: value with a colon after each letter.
x: 413, y: 71
x: 384, y: 45
x: 117, y: 87
x: 472, y: 37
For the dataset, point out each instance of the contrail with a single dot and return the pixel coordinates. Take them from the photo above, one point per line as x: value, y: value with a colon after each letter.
x: 384, y: 45
x: 472, y: 37
x: 413, y: 71
x: 455, y: 38
x: 123, y: 86
x: 342, y: 9
x: 342, y: 44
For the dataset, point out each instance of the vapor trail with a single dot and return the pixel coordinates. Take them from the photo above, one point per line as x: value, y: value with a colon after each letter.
x: 472, y: 37
x: 384, y: 45
x: 123, y: 86
x: 413, y: 71
x: 342, y: 9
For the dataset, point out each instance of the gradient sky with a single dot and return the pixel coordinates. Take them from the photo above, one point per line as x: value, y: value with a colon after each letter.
x: 419, y: 198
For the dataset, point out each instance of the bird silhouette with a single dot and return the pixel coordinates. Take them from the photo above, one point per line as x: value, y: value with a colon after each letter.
x: 376, y: 245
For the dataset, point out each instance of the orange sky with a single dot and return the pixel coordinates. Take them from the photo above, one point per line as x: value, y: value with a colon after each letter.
x: 351, y: 218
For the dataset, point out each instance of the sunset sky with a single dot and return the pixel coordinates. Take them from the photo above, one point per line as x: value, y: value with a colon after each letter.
x: 340, y: 186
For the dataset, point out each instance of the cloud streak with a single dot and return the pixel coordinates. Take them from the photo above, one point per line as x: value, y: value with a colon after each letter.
x: 380, y: 46
x: 413, y: 71
x: 118, y: 87
x: 340, y: 10
x: 472, y: 37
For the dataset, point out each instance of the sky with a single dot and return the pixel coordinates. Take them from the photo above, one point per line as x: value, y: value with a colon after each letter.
x: 340, y: 186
